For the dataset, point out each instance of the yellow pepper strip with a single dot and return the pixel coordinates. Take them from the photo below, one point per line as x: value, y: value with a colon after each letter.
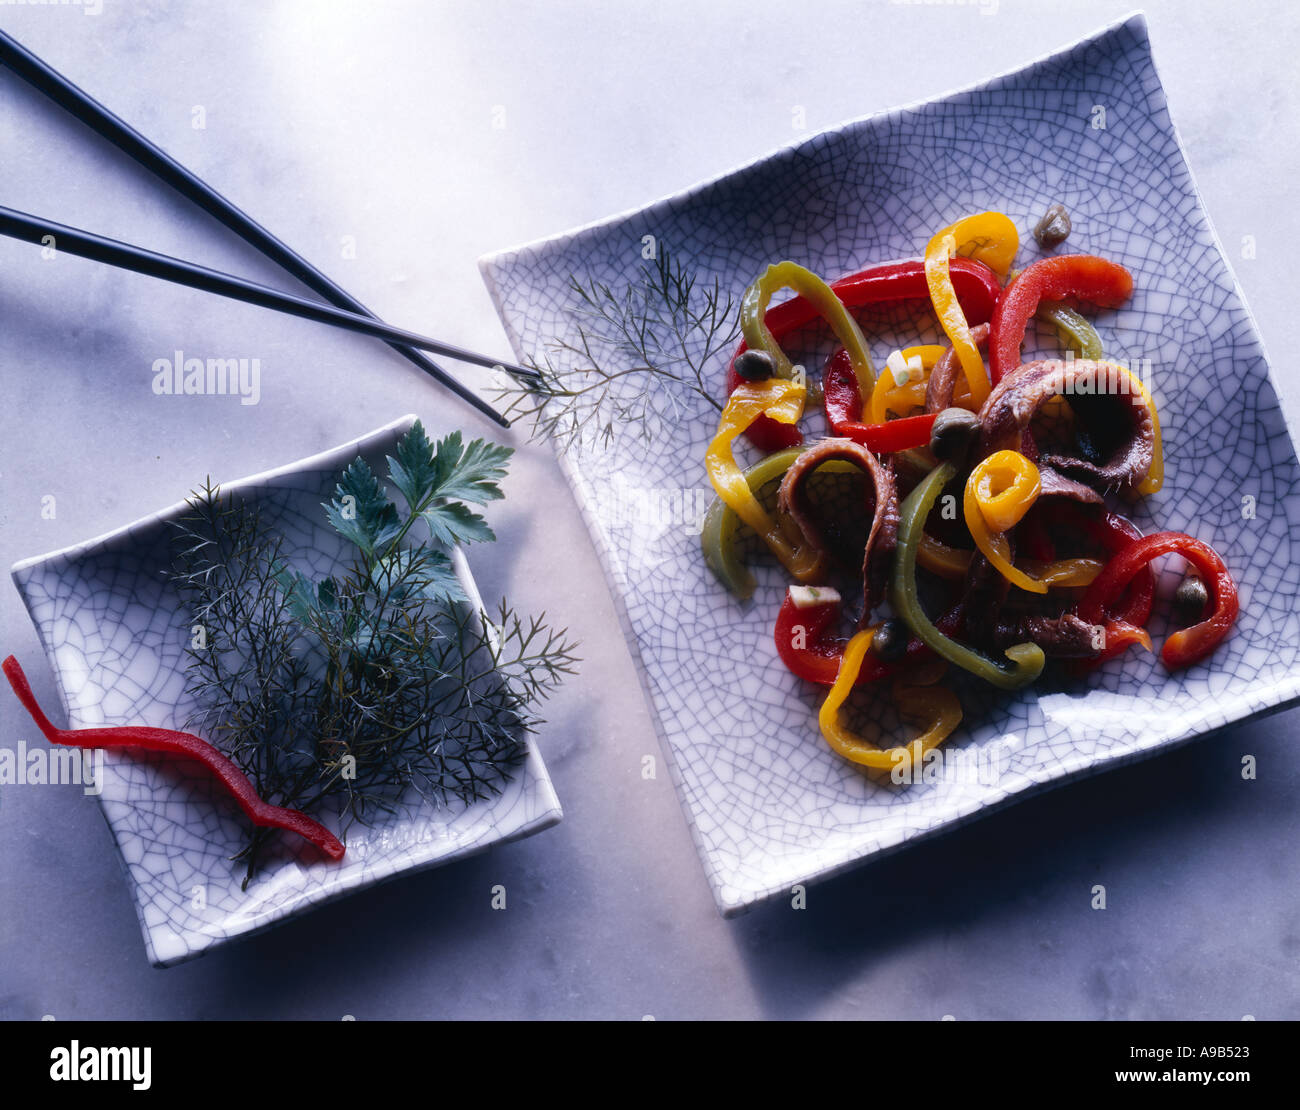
x: 1063, y: 572
x: 783, y: 275
x: 953, y: 563
x: 898, y: 399
x: 935, y: 704
x: 998, y: 493
x: 938, y: 558
x: 782, y: 401
x: 889, y: 395
x: 1006, y: 486
x: 989, y: 237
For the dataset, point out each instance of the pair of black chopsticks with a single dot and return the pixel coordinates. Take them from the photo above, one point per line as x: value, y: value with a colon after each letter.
x: 347, y: 311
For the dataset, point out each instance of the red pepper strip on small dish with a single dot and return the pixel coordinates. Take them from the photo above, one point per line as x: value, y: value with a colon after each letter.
x: 977, y: 289
x: 1189, y: 645
x: 843, y: 400
x: 815, y: 655
x: 1083, y: 277
x: 231, y: 777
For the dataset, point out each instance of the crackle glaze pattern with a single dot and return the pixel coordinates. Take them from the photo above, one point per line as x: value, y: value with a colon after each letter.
x: 768, y: 803
x: 115, y: 633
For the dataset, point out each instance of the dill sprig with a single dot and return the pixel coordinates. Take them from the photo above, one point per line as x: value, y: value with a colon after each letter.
x: 635, y: 349
x: 377, y: 680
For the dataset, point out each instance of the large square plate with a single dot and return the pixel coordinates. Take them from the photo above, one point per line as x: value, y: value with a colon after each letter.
x: 115, y: 633
x: 769, y: 805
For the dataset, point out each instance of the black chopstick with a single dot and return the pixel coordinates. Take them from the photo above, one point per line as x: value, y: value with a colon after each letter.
x: 48, y: 81
x: 85, y: 244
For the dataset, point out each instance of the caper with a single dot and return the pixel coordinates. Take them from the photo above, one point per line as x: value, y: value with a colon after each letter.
x: 754, y: 366
x: 889, y: 642
x: 1054, y: 228
x: 1192, y: 598
x: 953, y: 435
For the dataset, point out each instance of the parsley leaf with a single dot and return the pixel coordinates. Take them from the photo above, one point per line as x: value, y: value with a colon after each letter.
x: 361, y: 511
x: 436, y: 481
x: 412, y: 469
x: 417, y: 572
x: 471, y: 473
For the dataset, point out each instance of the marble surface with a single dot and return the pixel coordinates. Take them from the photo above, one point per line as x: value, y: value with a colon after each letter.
x: 393, y: 145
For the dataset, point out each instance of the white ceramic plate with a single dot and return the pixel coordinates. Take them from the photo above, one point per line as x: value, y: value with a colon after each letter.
x: 115, y: 633
x: 769, y: 804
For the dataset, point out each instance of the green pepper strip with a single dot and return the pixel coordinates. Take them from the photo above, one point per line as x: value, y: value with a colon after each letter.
x: 1026, y: 660
x: 1074, y: 330
x: 718, y: 535
x: 753, y: 321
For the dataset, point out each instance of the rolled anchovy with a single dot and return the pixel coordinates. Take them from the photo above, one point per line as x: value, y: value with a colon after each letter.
x: 882, y: 504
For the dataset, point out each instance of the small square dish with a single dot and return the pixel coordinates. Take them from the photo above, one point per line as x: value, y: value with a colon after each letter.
x: 769, y: 804
x: 115, y: 633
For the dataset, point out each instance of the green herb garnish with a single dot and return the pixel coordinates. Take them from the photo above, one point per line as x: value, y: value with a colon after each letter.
x: 635, y: 350
x: 381, y: 678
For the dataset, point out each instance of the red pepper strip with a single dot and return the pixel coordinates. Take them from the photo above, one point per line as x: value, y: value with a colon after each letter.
x: 1116, y: 534
x: 818, y: 660
x: 1113, y: 533
x: 1032, y: 539
x: 1075, y: 276
x: 977, y: 286
x: 1189, y: 645
x: 179, y: 743
x: 841, y: 393
x: 1124, y: 621
x: 977, y: 289
x: 843, y: 399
